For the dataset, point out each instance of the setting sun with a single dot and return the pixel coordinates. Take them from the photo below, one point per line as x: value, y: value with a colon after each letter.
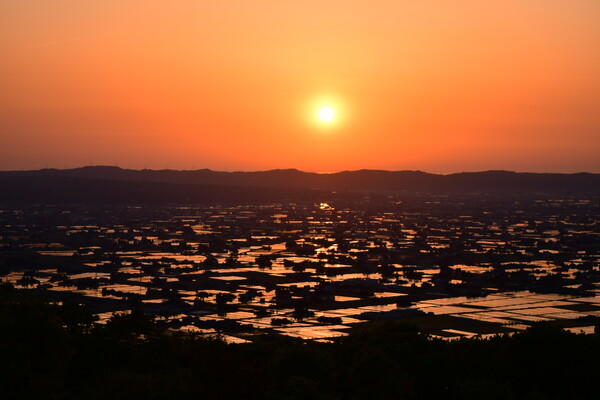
x: 326, y: 114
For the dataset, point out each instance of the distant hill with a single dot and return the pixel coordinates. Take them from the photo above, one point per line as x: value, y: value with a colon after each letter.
x: 102, y: 182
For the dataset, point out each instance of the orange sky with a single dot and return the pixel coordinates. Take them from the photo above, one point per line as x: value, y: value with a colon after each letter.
x: 436, y: 85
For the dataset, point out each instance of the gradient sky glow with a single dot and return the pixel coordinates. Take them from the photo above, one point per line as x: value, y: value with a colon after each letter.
x: 436, y: 85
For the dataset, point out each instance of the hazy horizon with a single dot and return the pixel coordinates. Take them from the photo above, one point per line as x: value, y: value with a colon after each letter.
x: 291, y: 169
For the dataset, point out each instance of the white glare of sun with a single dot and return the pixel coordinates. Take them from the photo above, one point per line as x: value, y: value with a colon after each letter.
x: 326, y: 114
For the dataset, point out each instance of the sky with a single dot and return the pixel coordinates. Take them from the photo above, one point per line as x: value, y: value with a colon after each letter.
x: 435, y: 85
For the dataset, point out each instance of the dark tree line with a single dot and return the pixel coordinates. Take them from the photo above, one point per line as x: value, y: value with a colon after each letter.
x: 54, y: 351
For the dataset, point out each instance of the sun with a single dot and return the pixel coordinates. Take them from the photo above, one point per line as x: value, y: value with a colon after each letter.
x: 326, y: 114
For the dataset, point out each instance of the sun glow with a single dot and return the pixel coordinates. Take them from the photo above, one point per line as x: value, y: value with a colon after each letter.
x: 326, y: 114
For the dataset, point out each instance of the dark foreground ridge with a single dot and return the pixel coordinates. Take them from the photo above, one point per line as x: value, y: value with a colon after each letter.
x: 58, y: 352
x: 114, y: 184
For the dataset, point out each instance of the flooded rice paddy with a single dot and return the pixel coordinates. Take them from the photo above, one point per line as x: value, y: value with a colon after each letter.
x: 461, y: 266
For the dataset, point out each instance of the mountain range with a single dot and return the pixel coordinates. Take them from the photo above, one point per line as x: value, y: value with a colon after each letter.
x: 98, y: 182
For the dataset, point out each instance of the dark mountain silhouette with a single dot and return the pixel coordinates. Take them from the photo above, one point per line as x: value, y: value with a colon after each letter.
x: 103, y: 183
x: 34, y: 189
